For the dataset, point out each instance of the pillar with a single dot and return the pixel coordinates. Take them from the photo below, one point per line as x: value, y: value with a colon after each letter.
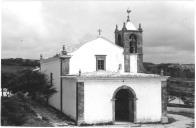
x: 80, y: 102
x: 113, y: 109
x: 164, y: 118
x: 64, y: 70
x: 126, y: 63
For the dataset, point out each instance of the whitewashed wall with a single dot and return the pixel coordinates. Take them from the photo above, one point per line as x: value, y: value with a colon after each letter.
x: 69, y: 97
x: 98, y: 95
x: 53, y: 67
x: 84, y: 58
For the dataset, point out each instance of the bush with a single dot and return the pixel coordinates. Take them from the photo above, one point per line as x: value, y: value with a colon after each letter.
x: 36, y: 84
x: 13, y: 111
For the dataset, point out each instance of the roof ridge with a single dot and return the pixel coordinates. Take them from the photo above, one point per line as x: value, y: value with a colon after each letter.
x: 100, y: 37
x: 110, y: 41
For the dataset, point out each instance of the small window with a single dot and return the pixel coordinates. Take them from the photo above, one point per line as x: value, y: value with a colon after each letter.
x: 119, y: 66
x: 51, y: 78
x: 100, y: 62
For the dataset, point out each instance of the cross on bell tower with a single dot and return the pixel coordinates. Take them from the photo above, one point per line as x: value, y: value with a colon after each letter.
x: 99, y: 31
x: 128, y: 12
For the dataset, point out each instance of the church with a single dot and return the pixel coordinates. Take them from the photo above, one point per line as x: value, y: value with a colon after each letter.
x: 105, y: 82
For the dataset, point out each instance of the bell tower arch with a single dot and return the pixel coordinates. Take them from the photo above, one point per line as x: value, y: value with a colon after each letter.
x: 133, y: 43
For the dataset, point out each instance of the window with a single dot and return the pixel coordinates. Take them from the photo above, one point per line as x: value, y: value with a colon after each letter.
x: 100, y: 62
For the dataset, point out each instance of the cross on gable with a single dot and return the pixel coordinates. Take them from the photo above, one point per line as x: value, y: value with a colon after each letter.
x: 99, y: 30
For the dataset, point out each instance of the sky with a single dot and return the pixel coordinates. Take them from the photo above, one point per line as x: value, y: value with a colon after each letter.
x: 31, y: 28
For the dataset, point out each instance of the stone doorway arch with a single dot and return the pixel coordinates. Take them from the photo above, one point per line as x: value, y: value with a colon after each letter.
x: 124, y: 104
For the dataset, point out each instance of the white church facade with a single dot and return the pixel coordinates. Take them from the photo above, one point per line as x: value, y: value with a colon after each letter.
x: 104, y: 82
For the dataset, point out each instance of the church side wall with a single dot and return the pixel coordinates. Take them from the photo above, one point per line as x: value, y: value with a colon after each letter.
x: 69, y: 97
x: 53, y: 67
x: 98, y: 104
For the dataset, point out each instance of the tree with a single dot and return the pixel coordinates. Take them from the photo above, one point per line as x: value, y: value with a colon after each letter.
x: 36, y: 84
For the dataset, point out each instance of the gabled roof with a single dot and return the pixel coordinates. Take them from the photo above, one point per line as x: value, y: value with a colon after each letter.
x: 104, y: 38
x: 100, y: 40
x: 76, y: 47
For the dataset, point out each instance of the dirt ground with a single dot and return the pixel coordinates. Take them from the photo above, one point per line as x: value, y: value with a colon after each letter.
x: 47, y: 117
x: 178, y: 118
x: 176, y: 121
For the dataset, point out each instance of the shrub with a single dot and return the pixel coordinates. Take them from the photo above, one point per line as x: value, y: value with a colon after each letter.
x: 35, y: 84
x: 12, y: 111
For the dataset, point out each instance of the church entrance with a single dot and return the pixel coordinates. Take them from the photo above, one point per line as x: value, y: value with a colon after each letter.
x: 124, y: 105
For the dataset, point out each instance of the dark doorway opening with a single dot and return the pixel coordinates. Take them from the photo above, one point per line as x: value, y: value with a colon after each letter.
x: 124, y: 105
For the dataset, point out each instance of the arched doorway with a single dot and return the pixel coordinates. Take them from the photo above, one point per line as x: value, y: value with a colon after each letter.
x: 124, y: 104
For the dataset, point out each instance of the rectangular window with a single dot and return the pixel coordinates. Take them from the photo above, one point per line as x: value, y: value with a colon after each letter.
x: 100, y: 62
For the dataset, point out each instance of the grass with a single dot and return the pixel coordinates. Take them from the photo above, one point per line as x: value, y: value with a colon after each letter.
x: 184, y: 89
x: 191, y: 115
x: 97, y: 124
x: 176, y: 86
x: 188, y: 112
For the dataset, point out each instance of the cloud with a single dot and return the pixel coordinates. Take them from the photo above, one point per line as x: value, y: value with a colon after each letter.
x: 166, y: 54
x: 42, y: 27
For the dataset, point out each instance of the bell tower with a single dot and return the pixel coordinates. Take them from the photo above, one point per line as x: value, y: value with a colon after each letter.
x: 130, y: 38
